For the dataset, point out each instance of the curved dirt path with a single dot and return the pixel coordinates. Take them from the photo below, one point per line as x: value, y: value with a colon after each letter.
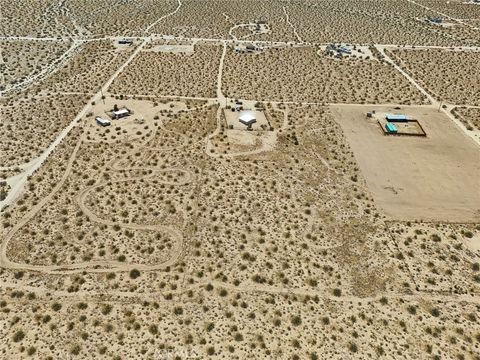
x: 103, y: 265
x: 164, y: 17
x: 294, y: 29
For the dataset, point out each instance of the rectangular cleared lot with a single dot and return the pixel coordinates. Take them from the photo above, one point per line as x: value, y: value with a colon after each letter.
x: 432, y: 178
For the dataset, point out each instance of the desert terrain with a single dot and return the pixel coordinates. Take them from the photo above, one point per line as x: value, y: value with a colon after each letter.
x: 193, y: 179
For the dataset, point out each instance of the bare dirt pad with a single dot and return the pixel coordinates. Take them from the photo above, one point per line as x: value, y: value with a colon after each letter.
x: 432, y: 178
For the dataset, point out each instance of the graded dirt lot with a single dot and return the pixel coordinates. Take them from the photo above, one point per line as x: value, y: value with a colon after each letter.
x: 432, y: 178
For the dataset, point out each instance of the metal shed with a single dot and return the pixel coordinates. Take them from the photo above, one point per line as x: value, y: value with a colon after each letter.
x: 391, y: 128
x: 396, y: 118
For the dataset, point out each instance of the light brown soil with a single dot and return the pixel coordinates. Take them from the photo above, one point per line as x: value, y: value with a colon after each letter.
x: 412, y: 178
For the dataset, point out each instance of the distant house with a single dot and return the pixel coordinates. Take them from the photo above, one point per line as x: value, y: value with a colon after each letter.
x: 247, y: 117
x: 125, y: 41
x: 246, y: 49
x: 120, y: 113
x: 396, y: 118
x: 344, y: 49
x: 435, y: 20
x: 102, y: 122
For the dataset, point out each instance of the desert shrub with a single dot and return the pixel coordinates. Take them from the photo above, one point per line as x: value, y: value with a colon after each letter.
x: 153, y: 329
x: 134, y: 273
x: 18, y: 336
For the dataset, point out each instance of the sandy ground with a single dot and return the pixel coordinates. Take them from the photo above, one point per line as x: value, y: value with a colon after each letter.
x: 169, y: 235
x: 432, y: 178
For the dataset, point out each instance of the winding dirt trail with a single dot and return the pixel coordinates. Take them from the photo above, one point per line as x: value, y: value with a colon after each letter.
x: 105, y: 265
x: 164, y: 16
x: 294, y: 29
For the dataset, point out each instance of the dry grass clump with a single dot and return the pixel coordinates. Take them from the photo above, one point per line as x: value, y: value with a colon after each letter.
x: 450, y: 76
x: 214, y: 18
x: 4, y: 189
x: 23, y: 59
x: 470, y: 117
x: 30, y: 124
x: 179, y: 74
x: 302, y: 74
x: 88, y: 69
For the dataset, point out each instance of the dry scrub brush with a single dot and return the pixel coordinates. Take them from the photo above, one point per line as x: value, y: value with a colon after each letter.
x: 178, y: 74
x: 30, y: 124
x: 450, y: 76
x: 300, y: 74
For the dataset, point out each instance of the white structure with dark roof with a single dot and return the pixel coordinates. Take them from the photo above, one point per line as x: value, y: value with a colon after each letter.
x: 247, y: 117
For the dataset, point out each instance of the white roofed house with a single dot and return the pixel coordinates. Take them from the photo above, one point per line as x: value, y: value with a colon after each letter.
x: 247, y: 117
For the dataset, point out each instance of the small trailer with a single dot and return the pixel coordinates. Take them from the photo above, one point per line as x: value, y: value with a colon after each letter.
x: 396, y: 118
x: 102, y: 122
